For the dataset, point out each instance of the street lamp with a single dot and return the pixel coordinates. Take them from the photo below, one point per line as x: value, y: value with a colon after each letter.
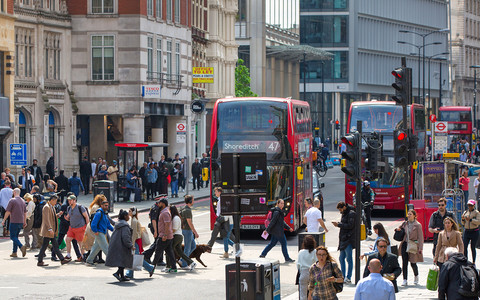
x: 475, y: 67
x: 423, y: 36
x: 429, y: 61
x: 419, y: 55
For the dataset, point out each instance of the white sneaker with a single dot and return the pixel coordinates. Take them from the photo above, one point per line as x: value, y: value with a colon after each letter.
x: 192, y: 266
x: 405, y: 283
x: 415, y: 281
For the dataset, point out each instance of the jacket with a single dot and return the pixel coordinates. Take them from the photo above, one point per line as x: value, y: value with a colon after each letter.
x: 49, y: 228
x: 85, y: 169
x: 39, y: 175
x: 100, y: 222
x: 120, y: 246
x: 347, y: 224
x: 62, y: 183
x: 151, y: 175
x: 277, y: 223
x: 449, y: 278
x: 136, y: 229
x: 415, y: 235
x: 131, y: 183
x: 37, y: 214
x: 196, y: 169
x: 455, y: 240
x: 205, y: 162
x: 28, y: 183
x: 436, y: 221
x: 75, y: 184
x: 474, y: 219
x: 390, y: 265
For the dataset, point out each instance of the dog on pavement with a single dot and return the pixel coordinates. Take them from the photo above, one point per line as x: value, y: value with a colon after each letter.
x: 199, y: 250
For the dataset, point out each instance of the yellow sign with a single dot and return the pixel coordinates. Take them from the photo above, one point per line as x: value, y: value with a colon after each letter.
x: 299, y: 173
x: 451, y: 155
x: 343, y: 163
x: 202, y: 75
x: 205, y: 174
x: 415, y: 165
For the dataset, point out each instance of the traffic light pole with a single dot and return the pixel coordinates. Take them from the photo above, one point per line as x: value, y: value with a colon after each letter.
x: 405, y: 128
x: 358, y: 204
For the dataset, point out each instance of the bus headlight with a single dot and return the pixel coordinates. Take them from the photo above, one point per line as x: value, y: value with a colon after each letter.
x: 403, y: 196
x: 288, y: 203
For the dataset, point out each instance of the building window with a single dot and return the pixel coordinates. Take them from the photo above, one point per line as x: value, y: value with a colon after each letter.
x: 23, y: 52
x: 1, y: 5
x: 103, y: 57
x: 177, y: 58
x: 102, y: 6
x: 177, y: 11
x: 159, y: 56
x: 149, y: 7
x: 335, y: 70
x: 169, y: 58
x: 52, y: 56
x: 158, y: 8
x: 52, y: 4
x: 169, y: 10
x: 51, y: 130
x: 324, y: 30
x: 150, y: 54
x: 22, y: 128
x: 329, y: 5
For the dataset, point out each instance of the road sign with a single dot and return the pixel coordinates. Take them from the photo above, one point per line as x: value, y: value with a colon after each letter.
x: 441, y: 145
x: 18, y: 154
x: 433, y: 118
x: 451, y: 155
x: 181, y: 127
x: 441, y: 127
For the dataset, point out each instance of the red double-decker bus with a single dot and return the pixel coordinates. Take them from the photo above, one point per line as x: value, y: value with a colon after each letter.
x: 384, y: 117
x: 281, y: 127
x: 460, y: 126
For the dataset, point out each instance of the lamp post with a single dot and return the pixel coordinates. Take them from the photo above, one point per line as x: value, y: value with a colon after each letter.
x: 475, y: 67
x: 429, y: 61
x: 423, y: 36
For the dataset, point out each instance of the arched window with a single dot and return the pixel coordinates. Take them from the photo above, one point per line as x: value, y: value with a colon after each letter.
x: 22, y: 128
x: 51, y: 128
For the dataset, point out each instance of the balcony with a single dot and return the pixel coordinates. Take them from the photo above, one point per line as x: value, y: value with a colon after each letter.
x: 172, y: 81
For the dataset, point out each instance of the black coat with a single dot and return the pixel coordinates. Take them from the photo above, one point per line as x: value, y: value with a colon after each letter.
x: 85, y: 169
x: 277, y: 223
x: 51, y: 168
x: 28, y: 184
x: 62, y: 183
x: 120, y: 246
x: 39, y: 177
x: 196, y: 169
x: 449, y: 279
x: 347, y: 229
x: 37, y: 214
x: 390, y: 265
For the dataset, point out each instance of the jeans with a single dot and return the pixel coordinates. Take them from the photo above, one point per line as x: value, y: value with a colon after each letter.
x: 146, y: 265
x: 167, y: 247
x: 55, y: 249
x: 347, y: 253
x: 99, y: 244
x: 273, y: 241
x: 226, y: 240
x: 470, y: 236
x: 174, y: 186
x: 465, y: 195
x: 189, y: 241
x: 14, y: 231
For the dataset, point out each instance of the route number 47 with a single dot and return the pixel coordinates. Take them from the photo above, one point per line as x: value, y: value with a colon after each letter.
x: 273, y: 147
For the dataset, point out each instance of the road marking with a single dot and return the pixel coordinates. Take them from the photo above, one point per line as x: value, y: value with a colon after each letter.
x: 8, y: 287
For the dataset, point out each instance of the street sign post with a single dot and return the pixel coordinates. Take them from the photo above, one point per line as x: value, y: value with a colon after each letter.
x: 18, y: 154
x: 441, y: 127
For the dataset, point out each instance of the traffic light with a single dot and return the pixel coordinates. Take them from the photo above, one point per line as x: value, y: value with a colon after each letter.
x: 412, y: 149
x: 352, y: 155
x: 337, y: 124
x: 401, y: 144
x: 373, y: 155
x: 402, y: 85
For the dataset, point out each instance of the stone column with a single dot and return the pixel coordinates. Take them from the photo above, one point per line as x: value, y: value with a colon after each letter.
x: 134, y: 131
x: 33, y: 136
x: 202, y: 133
x: 257, y: 46
x: 60, y: 147
x: 158, y: 123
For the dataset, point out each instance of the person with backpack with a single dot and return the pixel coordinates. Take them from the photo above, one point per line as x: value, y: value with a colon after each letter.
x: 99, y: 225
x: 276, y: 230
x: 78, y: 217
x: 458, y: 279
x: 63, y: 229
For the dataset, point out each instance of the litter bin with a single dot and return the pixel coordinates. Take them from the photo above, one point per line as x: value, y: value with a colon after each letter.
x: 105, y: 187
x: 259, y: 280
x: 318, y: 236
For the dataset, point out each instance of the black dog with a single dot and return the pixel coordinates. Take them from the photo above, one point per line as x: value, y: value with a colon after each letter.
x: 199, y: 250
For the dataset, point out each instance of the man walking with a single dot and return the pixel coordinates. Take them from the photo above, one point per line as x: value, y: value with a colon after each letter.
x: 112, y: 175
x: 313, y: 217
x: 152, y: 176
x: 62, y: 183
x: 165, y: 238
x: 6, y: 194
x: 100, y: 224
x: 85, y: 173
x: 374, y: 287
x: 78, y: 217
x: 17, y: 212
x: 435, y: 225
x: 196, y: 174
x: 346, y: 236
x: 223, y: 225
x: 37, y: 173
x: 188, y: 230
x: 49, y: 230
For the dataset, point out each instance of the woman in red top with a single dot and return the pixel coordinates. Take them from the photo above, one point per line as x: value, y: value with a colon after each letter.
x: 464, y: 182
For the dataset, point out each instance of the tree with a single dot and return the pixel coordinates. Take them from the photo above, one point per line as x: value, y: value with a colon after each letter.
x: 242, y: 81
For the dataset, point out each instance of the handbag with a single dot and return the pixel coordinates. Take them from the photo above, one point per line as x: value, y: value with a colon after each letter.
x: 145, y: 237
x: 432, y: 279
x: 338, y: 286
x: 394, y: 250
x: 399, y: 235
x: 137, y: 262
x: 412, y: 247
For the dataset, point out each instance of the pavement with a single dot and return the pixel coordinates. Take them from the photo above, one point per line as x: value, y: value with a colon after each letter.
x: 143, y: 206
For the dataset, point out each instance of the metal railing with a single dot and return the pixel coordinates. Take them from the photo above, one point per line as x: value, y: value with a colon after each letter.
x: 168, y: 80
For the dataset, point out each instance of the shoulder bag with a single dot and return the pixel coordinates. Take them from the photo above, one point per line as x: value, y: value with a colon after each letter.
x: 412, y: 247
x: 338, y: 286
x: 399, y: 235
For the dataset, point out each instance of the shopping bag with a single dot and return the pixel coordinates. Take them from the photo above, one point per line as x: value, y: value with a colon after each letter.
x: 137, y: 262
x: 145, y: 237
x: 432, y: 279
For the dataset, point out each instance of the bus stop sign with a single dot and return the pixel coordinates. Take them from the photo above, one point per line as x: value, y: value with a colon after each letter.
x: 18, y: 154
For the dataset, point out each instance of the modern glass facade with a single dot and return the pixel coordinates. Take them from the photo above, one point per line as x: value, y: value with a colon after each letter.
x: 324, y: 31
x: 326, y: 5
x: 335, y: 70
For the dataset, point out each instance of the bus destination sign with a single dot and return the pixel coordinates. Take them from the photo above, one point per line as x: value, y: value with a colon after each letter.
x: 251, y: 146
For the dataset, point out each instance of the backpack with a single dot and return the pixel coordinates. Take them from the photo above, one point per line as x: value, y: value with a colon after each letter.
x: 469, y: 285
x: 80, y: 211
x: 153, y: 215
x: 268, y: 219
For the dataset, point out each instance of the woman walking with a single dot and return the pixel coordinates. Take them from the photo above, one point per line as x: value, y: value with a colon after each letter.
x: 89, y: 237
x: 448, y: 237
x: 178, y: 239
x: 137, y: 241
x: 471, y: 222
x: 306, y: 258
x: 120, y: 247
x: 322, y: 275
x: 411, y: 246
x: 275, y: 229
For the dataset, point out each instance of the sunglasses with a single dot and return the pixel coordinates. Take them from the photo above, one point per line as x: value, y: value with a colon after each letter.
x: 382, y: 246
x: 441, y: 205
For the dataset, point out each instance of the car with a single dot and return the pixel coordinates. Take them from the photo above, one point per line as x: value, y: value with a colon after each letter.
x: 317, y: 190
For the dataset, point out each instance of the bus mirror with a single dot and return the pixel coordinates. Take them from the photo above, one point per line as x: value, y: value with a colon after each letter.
x: 300, y: 173
x: 205, y: 174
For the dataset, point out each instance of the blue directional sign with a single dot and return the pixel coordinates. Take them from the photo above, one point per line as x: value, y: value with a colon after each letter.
x: 18, y: 154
